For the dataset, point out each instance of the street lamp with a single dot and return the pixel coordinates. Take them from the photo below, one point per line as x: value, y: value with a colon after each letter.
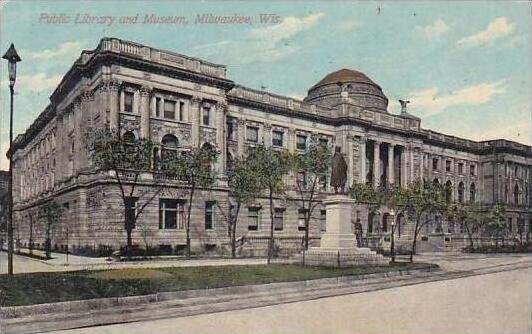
x: 392, y: 244
x: 12, y: 59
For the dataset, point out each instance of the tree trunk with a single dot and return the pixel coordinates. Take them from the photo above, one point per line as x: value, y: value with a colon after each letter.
x: 187, y: 226
x: 413, y: 250
x: 31, y: 236
x: 307, y: 227
x: 129, y: 230
x: 233, y: 231
x: 270, y: 241
x: 392, y: 244
x: 47, y: 244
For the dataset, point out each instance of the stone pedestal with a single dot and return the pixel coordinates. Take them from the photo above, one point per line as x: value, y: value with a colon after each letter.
x: 338, y: 244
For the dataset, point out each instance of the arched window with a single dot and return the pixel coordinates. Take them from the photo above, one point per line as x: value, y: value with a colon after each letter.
x: 449, y: 191
x: 128, y: 136
x: 472, y: 193
x: 516, y: 194
x: 170, y: 142
x: 461, y: 192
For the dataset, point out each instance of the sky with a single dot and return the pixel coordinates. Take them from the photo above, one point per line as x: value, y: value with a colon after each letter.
x: 466, y: 67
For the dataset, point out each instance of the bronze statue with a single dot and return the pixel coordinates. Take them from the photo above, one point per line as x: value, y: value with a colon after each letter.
x: 339, y: 171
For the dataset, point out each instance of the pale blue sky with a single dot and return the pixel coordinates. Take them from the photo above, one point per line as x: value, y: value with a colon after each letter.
x: 466, y: 67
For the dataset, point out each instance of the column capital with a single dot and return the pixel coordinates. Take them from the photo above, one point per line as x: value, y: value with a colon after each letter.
x: 111, y: 84
x: 145, y: 90
x: 196, y: 100
x: 221, y: 106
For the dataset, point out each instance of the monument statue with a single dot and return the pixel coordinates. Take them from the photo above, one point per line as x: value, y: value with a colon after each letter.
x: 339, y: 171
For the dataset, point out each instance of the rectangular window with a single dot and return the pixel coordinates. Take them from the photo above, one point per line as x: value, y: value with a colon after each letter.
x: 301, y: 142
x: 277, y: 138
x: 158, y: 107
x: 168, y: 214
x: 435, y: 164
x: 447, y: 165
x: 128, y: 102
x: 301, y: 219
x: 472, y: 170
x: 209, y: 215
x: 169, y: 109
x: 278, y: 217
x: 181, y: 111
x: 205, y: 116
x: 252, y: 133
x: 253, y: 218
x: 230, y: 130
x: 510, y: 228
x: 461, y: 168
x: 131, y: 210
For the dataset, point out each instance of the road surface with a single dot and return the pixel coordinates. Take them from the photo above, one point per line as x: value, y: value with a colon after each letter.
x: 485, y: 304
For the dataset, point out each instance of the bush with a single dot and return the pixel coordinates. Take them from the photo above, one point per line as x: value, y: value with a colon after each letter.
x: 517, y: 248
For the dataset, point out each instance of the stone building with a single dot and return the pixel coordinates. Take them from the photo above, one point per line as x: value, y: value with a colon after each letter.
x: 182, y: 102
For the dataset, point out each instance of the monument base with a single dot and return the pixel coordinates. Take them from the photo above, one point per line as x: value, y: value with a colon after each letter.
x: 340, y: 257
x: 338, y: 243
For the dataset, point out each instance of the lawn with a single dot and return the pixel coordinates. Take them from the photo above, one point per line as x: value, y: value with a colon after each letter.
x: 37, y: 288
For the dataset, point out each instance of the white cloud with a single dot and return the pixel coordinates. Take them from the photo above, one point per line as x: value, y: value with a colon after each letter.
x: 39, y: 82
x: 266, y: 44
x: 296, y: 96
x: 67, y: 49
x: 497, y: 28
x: 428, y: 102
x: 437, y: 28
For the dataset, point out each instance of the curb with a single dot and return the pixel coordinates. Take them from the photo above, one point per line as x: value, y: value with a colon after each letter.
x: 10, y: 312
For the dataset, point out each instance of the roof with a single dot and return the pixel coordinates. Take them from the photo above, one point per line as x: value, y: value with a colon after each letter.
x: 344, y: 75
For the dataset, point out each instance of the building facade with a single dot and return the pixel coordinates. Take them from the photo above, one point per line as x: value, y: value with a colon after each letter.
x: 182, y: 102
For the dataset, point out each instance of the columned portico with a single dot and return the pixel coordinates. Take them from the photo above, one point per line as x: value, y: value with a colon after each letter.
x: 404, y: 153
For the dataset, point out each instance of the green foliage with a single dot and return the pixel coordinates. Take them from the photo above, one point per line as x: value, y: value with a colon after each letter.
x: 243, y: 181
x: 193, y: 167
x: 271, y: 166
x: 109, y: 151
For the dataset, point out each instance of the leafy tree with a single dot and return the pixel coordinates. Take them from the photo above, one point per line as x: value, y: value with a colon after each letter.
x: 470, y: 217
x: 243, y: 188
x: 424, y: 201
x: 310, y: 167
x: 396, y: 199
x: 51, y: 213
x: 271, y: 166
x: 193, y: 167
x: 127, y: 159
x: 496, y: 223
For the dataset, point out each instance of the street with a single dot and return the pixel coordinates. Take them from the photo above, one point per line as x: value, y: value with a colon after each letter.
x: 494, y: 303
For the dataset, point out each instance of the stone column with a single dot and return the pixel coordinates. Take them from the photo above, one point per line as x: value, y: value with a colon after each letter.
x: 195, y: 109
x: 421, y: 165
x: 153, y: 105
x: 122, y: 99
x: 114, y: 116
x: 349, y: 155
x: 221, y: 137
x: 376, y: 162
x: 136, y: 99
x: 145, y: 111
x: 267, y: 134
x: 241, y: 123
x: 411, y: 164
x: 391, y: 176
x: 404, y: 154
x: 363, y: 172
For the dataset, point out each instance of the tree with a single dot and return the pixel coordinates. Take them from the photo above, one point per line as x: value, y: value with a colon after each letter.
x: 51, y: 213
x: 470, y: 217
x: 496, y: 223
x: 310, y: 167
x: 193, y: 167
x: 424, y: 201
x: 395, y: 198
x: 243, y: 188
x: 271, y: 166
x: 127, y: 158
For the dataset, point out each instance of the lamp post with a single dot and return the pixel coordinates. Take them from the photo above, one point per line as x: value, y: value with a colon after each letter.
x: 12, y: 58
x: 392, y: 243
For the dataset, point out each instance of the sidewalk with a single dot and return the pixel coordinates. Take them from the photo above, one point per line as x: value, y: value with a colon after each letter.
x: 24, y: 264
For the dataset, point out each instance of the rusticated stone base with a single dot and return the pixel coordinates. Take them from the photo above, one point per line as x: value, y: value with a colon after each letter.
x: 340, y: 257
